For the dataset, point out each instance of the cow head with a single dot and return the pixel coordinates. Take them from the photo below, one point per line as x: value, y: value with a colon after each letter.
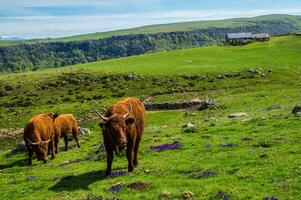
x: 41, y: 149
x: 53, y: 116
x: 115, y: 128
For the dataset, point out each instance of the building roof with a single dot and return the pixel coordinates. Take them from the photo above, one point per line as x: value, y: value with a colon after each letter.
x: 239, y: 35
x: 261, y: 35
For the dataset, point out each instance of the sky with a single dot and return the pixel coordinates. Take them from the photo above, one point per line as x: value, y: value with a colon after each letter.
x: 58, y: 18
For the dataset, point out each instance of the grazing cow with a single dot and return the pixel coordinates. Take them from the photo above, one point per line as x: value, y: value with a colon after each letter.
x: 39, y: 136
x: 64, y: 124
x: 123, y: 125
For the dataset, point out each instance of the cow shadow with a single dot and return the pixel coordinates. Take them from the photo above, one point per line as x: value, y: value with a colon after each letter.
x: 20, y: 163
x: 79, y: 182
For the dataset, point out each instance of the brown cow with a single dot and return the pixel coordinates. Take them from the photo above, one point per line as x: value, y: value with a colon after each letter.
x: 123, y: 125
x: 39, y: 136
x: 64, y: 124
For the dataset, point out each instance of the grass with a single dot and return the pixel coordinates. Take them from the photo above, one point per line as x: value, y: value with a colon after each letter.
x: 266, y: 165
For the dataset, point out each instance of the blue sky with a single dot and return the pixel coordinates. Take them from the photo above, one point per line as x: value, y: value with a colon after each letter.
x: 56, y: 18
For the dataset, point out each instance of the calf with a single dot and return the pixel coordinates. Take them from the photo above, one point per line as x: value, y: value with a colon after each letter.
x: 63, y: 125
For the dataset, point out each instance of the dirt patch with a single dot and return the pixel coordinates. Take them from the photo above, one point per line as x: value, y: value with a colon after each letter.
x: 76, y: 161
x: 139, y: 185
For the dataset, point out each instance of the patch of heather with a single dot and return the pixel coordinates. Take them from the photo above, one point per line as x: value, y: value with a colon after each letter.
x: 62, y: 148
x: 95, y: 197
x: 197, y: 174
x: 221, y: 195
x: 232, y: 171
x: 175, y: 145
x: 278, y: 180
x: 279, y: 139
x: 115, y: 188
x: 227, y: 145
x: 247, y: 139
x: 116, y: 174
x: 31, y: 178
x: 139, y: 185
x: 270, y: 198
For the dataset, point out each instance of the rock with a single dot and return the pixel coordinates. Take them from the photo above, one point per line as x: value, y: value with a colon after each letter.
x: 239, y: 114
x: 187, y: 195
x: 274, y: 107
x: 20, y: 147
x: 188, y: 125
x: 246, y: 120
x: 31, y: 178
x: 298, y: 114
x: 84, y: 131
x: 165, y: 193
x: 297, y: 110
x: 147, y: 171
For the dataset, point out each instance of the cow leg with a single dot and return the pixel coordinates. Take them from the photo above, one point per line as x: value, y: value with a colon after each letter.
x: 109, y: 160
x: 30, y: 153
x: 66, y: 142
x: 49, y: 148
x: 130, y: 155
x: 52, y: 149
x: 136, y: 150
x: 56, y: 142
x: 75, y: 136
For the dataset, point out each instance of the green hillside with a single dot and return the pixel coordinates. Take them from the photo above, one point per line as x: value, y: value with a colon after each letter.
x: 189, y: 26
x: 251, y: 157
x: 40, y: 54
x: 182, y: 26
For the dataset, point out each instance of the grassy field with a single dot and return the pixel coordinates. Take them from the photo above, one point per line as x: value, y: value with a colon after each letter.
x: 183, y: 26
x: 251, y: 157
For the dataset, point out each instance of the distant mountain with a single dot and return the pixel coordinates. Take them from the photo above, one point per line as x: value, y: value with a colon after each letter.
x: 9, y: 38
x: 59, y: 52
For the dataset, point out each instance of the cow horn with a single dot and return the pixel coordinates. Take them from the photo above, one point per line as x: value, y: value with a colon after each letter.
x: 101, y: 116
x: 127, y: 114
x: 48, y: 141
x: 32, y: 143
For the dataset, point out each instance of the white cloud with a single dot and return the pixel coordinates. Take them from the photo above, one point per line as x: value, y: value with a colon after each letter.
x: 55, y: 26
x: 63, y: 3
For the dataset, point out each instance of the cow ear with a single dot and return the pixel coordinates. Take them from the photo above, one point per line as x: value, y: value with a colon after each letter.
x: 129, y: 121
x: 101, y: 124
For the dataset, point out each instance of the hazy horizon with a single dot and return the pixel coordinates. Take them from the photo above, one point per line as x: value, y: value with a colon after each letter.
x: 33, y: 19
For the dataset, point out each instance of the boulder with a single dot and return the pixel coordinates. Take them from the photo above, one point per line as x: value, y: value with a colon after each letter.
x: 20, y: 147
x: 188, y: 125
x: 239, y: 114
x: 84, y: 131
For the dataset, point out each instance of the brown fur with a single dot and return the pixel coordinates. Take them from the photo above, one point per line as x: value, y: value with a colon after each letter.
x: 63, y: 125
x: 38, y: 130
x: 117, y: 131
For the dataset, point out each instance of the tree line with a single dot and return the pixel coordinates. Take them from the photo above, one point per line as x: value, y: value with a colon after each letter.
x: 31, y: 57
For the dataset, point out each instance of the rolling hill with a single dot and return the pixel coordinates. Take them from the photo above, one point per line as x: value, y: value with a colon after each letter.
x: 252, y: 157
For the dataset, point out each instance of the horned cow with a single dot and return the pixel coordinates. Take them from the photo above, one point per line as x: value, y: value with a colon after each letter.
x: 63, y: 125
x: 123, y: 125
x: 39, y: 136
